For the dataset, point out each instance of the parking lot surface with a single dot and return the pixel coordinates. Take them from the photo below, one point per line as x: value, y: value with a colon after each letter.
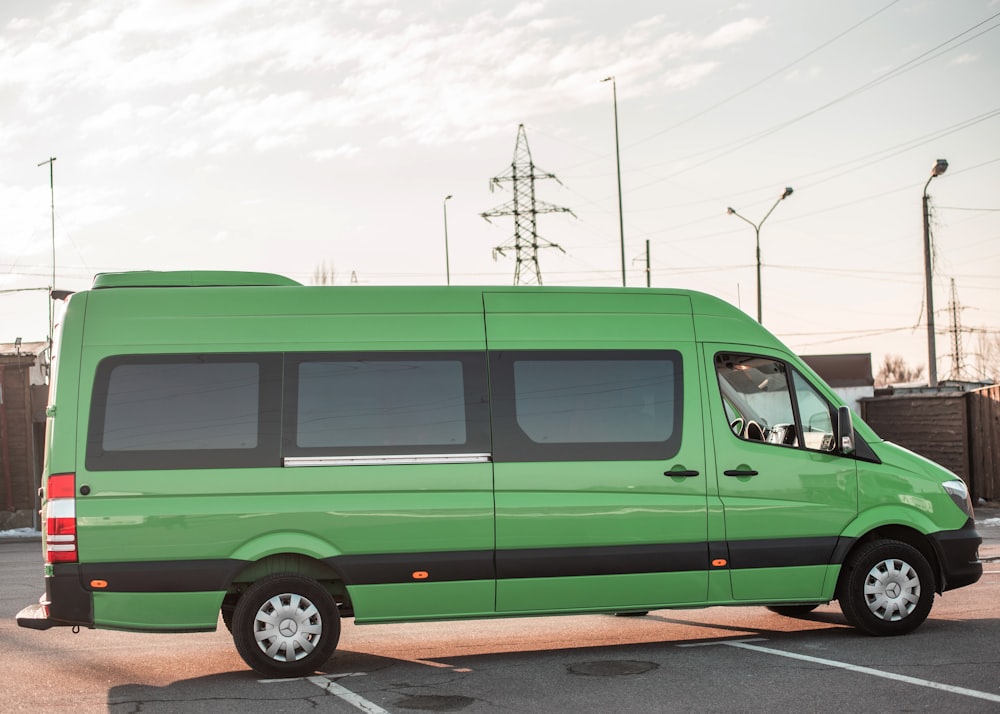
x: 713, y: 660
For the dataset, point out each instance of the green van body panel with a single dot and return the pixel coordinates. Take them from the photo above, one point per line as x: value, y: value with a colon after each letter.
x: 179, y: 611
x: 498, y: 525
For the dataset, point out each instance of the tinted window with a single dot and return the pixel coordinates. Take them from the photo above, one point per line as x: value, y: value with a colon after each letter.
x: 350, y: 404
x: 586, y: 405
x: 183, y: 411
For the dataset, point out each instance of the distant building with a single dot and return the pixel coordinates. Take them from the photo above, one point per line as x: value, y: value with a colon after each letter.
x: 850, y: 375
x: 23, y: 395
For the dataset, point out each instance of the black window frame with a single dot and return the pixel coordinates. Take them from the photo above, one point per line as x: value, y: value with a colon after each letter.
x: 511, y: 444
x: 265, y: 453
x: 476, y: 399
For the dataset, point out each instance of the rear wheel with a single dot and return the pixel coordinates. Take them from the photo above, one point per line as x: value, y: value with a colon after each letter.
x: 886, y: 588
x: 286, y: 626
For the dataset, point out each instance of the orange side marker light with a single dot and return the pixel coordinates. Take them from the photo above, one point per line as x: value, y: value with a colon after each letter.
x: 420, y: 575
x: 720, y: 563
x: 98, y: 584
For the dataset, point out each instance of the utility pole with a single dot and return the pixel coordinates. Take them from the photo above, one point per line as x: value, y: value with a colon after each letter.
x: 52, y: 286
x: 447, y: 261
x: 525, y: 208
x: 649, y: 267
x: 618, y: 168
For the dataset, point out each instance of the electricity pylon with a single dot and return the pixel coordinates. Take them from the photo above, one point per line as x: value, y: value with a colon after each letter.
x: 957, y: 354
x: 525, y: 208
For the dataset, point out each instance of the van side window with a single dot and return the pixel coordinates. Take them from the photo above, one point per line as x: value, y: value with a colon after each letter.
x: 816, y: 413
x: 184, y: 411
x: 586, y: 405
x: 766, y: 400
x: 351, y: 404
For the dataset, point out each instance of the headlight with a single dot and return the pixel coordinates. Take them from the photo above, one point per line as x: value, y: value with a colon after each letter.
x: 959, y: 493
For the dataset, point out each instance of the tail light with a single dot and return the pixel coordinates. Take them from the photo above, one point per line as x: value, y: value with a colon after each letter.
x: 60, y: 519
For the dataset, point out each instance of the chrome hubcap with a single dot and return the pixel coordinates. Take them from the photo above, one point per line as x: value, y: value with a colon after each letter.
x: 892, y: 590
x: 288, y: 627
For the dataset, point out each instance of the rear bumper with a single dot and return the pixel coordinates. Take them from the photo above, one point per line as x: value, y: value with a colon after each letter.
x: 36, y: 617
x: 66, y: 603
x: 958, y: 554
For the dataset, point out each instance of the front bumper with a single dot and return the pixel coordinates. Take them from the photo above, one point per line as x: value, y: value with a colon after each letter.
x: 958, y: 555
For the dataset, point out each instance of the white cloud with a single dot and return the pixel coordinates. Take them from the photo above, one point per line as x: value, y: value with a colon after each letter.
x: 111, y: 117
x: 19, y: 23
x: 688, y: 75
x: 525, y: 10
x: 965, y: 58
x: 345, y: 150
x: 187, y: 77
x: 804, y: 73
x: 734, y: 32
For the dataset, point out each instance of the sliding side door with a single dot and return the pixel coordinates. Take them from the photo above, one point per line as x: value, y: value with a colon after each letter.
x: 599, y: 460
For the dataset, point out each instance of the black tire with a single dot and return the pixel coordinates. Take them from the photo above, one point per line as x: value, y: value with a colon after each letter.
x: 792, y: 610
x: 886, y: 588
x: 286, y: 626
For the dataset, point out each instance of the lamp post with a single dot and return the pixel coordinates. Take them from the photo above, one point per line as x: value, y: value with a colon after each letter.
x: 447, y: 265
x: 52, y: 191
x: 618, y: 167
x: 756, y: 229
x: 939, y: 168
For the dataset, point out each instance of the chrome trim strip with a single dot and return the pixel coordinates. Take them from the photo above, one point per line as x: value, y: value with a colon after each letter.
x: 387, y: 460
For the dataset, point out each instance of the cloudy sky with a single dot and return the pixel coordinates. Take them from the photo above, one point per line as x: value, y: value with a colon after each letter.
x: 287, y: 136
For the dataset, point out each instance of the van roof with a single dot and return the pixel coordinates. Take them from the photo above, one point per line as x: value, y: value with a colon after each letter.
x: 188, y: 278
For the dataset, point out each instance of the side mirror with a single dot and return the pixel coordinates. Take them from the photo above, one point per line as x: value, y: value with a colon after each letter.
x: 845, y: 431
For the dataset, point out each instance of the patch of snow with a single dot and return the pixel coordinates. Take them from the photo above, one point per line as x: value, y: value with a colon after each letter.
x: 21, y: 533
x: 989, y: 522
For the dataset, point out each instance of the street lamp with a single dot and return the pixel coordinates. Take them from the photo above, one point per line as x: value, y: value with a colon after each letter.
x: 447, y: 265
x: 756, y: 229
x: 939, y: 168
x: 618, y: 167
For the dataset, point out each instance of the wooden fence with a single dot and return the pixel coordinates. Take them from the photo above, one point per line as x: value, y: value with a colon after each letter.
x: 984, y: 442
x: 959, y: 430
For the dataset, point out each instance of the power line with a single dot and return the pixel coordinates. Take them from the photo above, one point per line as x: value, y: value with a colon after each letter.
x: 923, y: 58
x: 764, y: 79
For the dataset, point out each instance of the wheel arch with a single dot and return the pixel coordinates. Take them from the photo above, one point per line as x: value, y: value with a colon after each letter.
x: 906, y: 534
x: 290, y: 563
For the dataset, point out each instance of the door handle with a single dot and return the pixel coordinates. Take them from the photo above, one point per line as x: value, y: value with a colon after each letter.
x: 682, y: 473
x: 740, y: 472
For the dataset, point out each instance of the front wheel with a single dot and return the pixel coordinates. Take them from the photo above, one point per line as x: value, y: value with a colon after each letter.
x: 886, y: 588
x: 286, y: 626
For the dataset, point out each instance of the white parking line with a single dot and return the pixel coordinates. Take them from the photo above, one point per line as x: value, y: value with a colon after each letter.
x: 325, y: 681
x: 867, y: 670
x: 355, y: 700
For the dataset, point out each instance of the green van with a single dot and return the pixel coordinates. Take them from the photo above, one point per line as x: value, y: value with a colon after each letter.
x: 284, y: 455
